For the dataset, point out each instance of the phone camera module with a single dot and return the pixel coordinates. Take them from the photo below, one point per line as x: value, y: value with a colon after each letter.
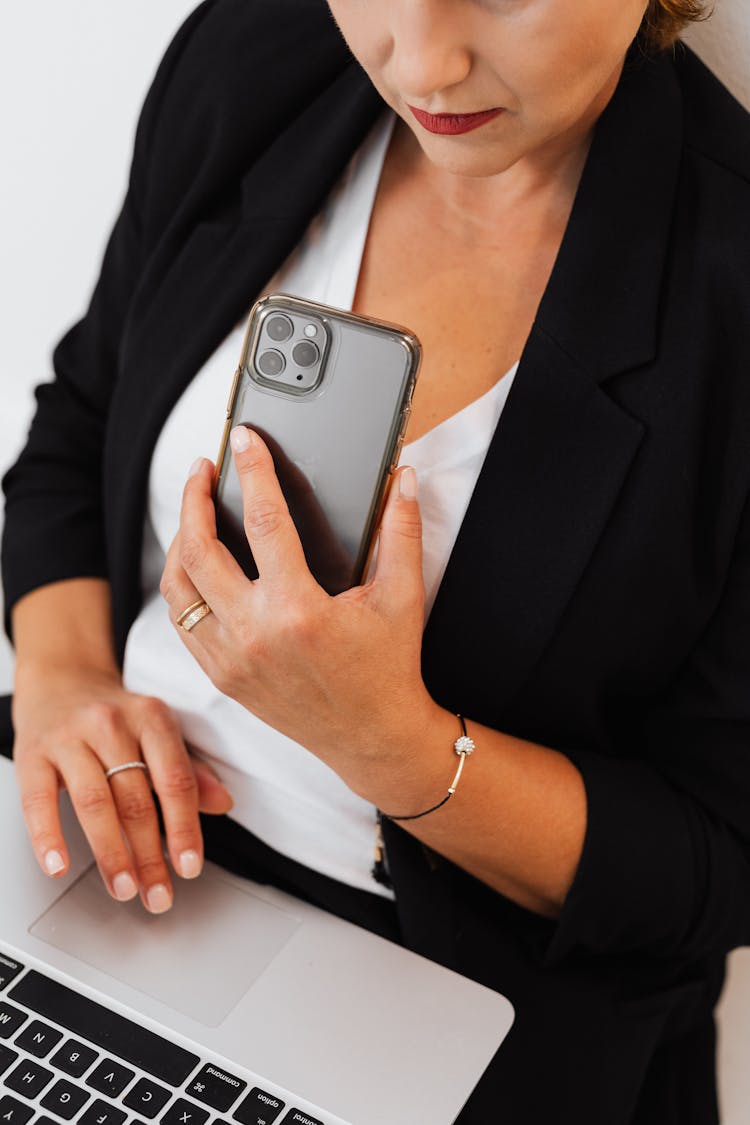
x: 279, y: 328
x: 305, y: 354
x: 271, y: 363
x: 289, y: 351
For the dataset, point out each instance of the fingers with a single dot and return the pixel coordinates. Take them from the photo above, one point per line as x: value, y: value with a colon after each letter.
x: 270, y: 531
x: 179, y: 592
x: 197, y: 561
x: 199, y: 566
x: 398, y: 580
x: 174, y: 781
x: 107, y: 814
x: 82, y: 773
x: 136, y: 820
x: 213, y: 797
x: 118, y: 815
x: 98, y: 816
x: 39, y: 788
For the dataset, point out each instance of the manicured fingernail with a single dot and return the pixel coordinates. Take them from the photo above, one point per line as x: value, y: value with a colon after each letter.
x: 407, y: 483
x: 158, y: 899
x: 240, y: 439
x: 124, y: 887
x: 54, y: 863
x: 195, y: 467
x: 190, y: 865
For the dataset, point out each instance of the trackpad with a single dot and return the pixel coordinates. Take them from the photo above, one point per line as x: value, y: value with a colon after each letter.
x: 199, y: 958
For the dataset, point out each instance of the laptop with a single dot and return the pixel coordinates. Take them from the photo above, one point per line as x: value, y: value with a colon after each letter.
x: 240, y: 1005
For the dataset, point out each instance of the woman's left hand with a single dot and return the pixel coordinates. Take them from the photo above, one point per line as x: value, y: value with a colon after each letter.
x: 340, y: 675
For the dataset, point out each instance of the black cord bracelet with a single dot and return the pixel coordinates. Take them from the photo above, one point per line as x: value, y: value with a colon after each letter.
x: 463, y: 746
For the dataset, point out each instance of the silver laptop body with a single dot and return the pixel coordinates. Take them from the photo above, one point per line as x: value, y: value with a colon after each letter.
x: 244, y: 1004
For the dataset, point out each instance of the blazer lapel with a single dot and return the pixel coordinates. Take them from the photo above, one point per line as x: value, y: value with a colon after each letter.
x: 563, y: 447
x: 552, y: 474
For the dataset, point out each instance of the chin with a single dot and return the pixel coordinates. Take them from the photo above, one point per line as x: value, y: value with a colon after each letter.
x: 487, y: 151
x: 490, y: 160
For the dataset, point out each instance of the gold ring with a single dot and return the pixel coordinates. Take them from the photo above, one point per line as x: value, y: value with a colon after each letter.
x: 194, y: 613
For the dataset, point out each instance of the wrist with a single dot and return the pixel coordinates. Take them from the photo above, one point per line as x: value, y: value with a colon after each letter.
x: 421, y: 766
x: 46, y: 670
x: 65, y: 628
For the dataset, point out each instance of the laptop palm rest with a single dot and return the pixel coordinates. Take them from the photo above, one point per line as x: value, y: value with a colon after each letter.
x: 172, y: 957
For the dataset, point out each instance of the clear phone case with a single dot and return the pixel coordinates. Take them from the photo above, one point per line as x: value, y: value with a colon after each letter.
x: 329, y: 392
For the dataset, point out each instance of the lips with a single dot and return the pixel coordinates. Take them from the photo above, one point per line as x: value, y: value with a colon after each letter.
x: 451, y: 124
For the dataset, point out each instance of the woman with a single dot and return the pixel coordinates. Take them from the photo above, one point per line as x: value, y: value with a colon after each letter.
x: 555, y: 205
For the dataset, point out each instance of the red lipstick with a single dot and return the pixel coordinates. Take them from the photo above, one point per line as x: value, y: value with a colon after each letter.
x: 452, y: 124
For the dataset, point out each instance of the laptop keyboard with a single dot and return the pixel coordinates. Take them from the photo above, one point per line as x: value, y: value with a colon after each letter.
x: 66, y: 1058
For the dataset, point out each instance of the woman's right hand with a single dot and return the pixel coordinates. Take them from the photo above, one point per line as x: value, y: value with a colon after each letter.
x: 73, y: 724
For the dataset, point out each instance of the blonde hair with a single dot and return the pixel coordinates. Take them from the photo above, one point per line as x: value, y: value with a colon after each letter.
x: 665, y: 19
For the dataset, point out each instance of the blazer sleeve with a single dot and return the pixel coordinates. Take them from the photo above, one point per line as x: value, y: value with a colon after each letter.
x: 665, y: 866
x: 54, y: 526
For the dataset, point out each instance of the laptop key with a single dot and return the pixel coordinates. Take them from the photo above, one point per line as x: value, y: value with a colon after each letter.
x: 110, y: 1078
x: 10, y: 1019
x: 7, y: 1058
x: 184, y: 1113
x: 258, y: 1108
x: 216, y: 1088
x: 65, y: 1099
x: 9, y: 969
x: 102, y: 1113
x: 13, y: 1112
x: 74, y: 1058
x: 29, y: 1078
x: 297, y: 1117
x: 91, y: 1020
x: 147, y: 1098
x: 38, y: 1039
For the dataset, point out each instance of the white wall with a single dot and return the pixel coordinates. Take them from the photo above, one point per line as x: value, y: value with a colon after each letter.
x: 72, y: 76
x: 723, y: 42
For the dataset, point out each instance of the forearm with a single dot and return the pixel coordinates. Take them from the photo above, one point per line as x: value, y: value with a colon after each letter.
x: 517, y: 820
x: 65, y: 624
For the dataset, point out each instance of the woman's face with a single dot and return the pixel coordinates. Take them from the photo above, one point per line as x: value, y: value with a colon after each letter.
x: 548, y: 66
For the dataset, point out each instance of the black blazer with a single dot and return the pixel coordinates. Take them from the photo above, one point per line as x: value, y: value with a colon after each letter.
x: 598, y: 596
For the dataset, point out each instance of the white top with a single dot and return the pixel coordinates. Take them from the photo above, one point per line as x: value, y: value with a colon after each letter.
x: 282, y: 793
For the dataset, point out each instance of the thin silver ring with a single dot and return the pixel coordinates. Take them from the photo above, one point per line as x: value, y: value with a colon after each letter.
x: 127, y: 766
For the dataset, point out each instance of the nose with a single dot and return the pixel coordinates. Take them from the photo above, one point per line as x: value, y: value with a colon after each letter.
x: 429, y: 53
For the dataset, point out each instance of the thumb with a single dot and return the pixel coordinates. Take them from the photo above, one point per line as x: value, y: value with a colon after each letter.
x: 398, y: 571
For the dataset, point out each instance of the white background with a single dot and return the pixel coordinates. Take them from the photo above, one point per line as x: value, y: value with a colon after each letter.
x: 73, y: 74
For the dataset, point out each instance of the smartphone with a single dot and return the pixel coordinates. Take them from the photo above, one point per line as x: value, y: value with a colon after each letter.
x: 330, y: 393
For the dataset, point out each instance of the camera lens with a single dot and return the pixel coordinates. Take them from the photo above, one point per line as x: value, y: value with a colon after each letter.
x: 305, y: 354
x: 271, y: 363
x: 279, y: 328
